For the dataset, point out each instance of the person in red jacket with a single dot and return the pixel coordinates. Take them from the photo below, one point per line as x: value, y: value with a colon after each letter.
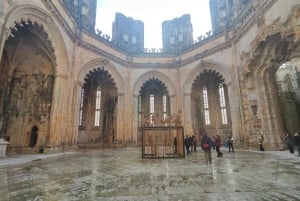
x: 218, y: 145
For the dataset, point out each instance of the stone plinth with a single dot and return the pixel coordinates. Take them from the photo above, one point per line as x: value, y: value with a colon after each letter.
x: 3, y: 145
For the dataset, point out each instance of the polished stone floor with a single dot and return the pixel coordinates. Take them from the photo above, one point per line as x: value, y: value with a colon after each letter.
x: 122, y: 175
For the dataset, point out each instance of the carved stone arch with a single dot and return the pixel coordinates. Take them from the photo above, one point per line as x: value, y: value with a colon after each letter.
x: 207, y: 65
x: 154, y: 74
x: 262, y: 50
x: 105, y: 65
x: 29, y: 13
x: 272, y: 53
x: 273, y: 46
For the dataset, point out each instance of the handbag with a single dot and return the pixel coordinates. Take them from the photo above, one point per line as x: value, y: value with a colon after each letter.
x: 206, y: 146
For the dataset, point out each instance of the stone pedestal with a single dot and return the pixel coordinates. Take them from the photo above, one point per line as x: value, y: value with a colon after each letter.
x: 3, y: 145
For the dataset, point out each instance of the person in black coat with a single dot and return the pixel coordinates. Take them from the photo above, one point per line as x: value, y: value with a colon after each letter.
x: 187, y: 144
x: 290, y: 143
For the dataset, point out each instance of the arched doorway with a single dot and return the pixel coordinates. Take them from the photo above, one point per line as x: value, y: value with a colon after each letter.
x: 210, y: 104
x: 271, y: 104
x: 98, y: 109
x: 26, y: 83
x: 288, y: 83
x: 33, y: 136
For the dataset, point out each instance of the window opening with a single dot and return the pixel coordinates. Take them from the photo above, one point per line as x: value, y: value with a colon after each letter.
x: 151, y: 110
x: 165, y: 108
x: 81, y: 107
x: 140, y: 110
x: 98, y: 106
x: 223, y: 104
x: 206, y: 109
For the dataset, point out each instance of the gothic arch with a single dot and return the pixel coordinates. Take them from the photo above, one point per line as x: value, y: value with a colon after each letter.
x: 105, y: 65
x: 153, y: 74
x: 273, y: 46
x: 206, y: 66
x: 25, y: 13
x: 286, y: 46
x: 45, y: 29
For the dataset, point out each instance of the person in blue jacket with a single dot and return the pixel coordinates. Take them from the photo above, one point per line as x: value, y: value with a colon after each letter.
x: 207, y: 144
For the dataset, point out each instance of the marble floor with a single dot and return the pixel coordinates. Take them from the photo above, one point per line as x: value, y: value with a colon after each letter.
x: 122, y: 175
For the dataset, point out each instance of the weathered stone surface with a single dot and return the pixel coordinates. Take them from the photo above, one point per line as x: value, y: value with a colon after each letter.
x: 47, y: 58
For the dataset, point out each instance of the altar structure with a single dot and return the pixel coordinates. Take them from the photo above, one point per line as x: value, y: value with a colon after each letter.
x: 163, y: 142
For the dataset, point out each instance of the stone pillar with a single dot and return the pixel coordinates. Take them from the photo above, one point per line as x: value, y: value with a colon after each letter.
x: 58, y: 111
x: 121, y: 118
x: 235, y: 115
x: 75, y: 110
x: 188, y: 128
x: 134, y: 119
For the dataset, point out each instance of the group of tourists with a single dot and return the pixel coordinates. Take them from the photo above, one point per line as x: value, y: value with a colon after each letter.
x: 190, y: 143
x: 292, y: 142
x: 207, y: 144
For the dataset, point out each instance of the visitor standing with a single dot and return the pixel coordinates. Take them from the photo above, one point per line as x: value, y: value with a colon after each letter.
x: 194, y: 143
x: 290, y: 143
x: 206, y: 145
x: 261, y: 143
x: 218, y: 145
x: 230, y: 143
x: 187, y: 144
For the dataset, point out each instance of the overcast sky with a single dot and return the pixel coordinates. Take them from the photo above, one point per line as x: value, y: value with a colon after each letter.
x: 153, y: 13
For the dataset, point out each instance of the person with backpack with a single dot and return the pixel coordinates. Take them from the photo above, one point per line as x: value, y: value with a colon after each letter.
x: 207, y: 144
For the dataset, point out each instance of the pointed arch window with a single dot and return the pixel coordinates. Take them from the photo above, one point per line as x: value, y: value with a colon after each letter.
x: 223, y: 104
x: 140, y: 110
x: 164, y: 107
x: 151, y: 109
x: 81, y: 106
x: 205, y: 105
x: 98, y: 106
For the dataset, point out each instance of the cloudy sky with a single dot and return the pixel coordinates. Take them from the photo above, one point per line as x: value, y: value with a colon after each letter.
x: 153, y: 13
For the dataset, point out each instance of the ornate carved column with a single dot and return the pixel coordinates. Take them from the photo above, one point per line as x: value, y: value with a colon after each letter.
x: 188, y: 128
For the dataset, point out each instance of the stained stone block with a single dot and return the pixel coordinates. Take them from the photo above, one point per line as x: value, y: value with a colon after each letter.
x: 3, y: 145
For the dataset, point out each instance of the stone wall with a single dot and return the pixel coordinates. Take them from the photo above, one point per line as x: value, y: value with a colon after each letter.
x: 246, y: 56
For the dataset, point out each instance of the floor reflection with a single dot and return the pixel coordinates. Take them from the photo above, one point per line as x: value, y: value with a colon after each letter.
x: 121, y: 174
